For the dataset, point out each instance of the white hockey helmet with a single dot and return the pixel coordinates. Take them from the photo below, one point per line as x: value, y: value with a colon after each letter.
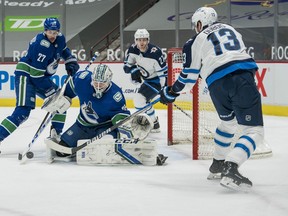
x: 141, y: 33
x: 101, y: 79
x: 206, y: 15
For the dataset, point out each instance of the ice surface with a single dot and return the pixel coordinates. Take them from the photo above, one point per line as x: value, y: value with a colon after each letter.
x: 178, y: 188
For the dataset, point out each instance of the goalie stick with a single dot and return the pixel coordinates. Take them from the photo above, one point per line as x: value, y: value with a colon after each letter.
x: 69, y: 150
x: 28, y: 153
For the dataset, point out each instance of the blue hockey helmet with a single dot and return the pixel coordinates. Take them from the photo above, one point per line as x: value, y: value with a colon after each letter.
x: 51, y: 23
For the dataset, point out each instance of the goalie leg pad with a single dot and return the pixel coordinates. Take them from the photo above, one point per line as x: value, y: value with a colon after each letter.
x: 118, y: 151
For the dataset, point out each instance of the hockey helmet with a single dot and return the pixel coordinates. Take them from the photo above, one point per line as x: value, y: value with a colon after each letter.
x: 101, y: 79
x: 206, y: 15
x: 51, y: 23
x: 141, y: 33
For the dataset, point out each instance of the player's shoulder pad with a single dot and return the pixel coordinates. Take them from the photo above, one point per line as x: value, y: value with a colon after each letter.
x: 133, y: 49
x: 40, y: 40
x: 82, y: 77
x: 60, y: 40
x: 188, y: 44
x: 153, y: 52
x: 117, y: 92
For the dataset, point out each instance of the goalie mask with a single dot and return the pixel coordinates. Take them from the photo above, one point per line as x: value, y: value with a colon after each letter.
x: 101, y: 79
x: 206, y: 15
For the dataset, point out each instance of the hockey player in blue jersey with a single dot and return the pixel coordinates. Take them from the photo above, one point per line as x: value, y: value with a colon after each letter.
x: 147, y: 66
x: 102, y: 104
x: 33, y: 72
x: 218, y: 54
x: 101, y: 100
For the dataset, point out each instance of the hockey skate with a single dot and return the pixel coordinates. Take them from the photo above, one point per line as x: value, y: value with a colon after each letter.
x: 50, y: 153
x: 216, y: 169
x: 232, y: 179
x: 54, y: 135
x: 161, y: 159
x: 156, y: 127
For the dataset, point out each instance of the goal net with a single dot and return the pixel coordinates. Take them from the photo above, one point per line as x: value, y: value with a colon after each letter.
x: 192, y: 118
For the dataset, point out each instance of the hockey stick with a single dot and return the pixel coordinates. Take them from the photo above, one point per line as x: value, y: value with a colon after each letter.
x: 96, y: 54
x: 187, y: 114
x: 28, y: 153
x: 180, y: 109
x: 68, y: 150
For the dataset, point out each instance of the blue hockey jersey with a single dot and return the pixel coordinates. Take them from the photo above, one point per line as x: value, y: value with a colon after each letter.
x: 42, y: 56
x: 93, y: 110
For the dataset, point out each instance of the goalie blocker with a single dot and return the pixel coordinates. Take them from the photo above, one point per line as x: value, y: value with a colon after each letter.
x: 112, y: 152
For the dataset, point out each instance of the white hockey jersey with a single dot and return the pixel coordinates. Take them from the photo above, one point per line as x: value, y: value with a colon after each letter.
x: 213, y: 53
x: 151, y: 63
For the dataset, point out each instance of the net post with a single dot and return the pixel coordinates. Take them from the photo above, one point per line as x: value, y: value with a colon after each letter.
x: 195, y: 122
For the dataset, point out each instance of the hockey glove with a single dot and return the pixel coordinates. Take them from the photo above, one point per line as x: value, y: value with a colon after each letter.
x: 136, y: 75
x: 56, y: 103
x: 167, y: 95
x: 71, y: 65
x: 141, y: 126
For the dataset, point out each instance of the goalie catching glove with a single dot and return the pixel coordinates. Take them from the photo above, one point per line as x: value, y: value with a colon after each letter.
x: 56, y: 103
x: 139, y: 128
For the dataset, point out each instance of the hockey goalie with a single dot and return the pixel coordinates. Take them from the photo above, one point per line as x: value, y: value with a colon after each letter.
x: 102, y: 105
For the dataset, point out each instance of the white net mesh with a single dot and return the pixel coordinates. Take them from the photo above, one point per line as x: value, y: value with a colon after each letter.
x: 182, y: 114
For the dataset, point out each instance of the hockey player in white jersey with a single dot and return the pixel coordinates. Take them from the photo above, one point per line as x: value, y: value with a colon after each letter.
x: 217, y: 53
x: 147, y: 66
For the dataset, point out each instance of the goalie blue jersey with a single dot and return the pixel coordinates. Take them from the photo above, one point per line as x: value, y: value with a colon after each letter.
x: 95, y: 110
x: 43, y: 57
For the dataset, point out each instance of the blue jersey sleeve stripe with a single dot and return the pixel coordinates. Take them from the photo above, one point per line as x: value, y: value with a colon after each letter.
x: 163, y: 69
x: 185, y: 80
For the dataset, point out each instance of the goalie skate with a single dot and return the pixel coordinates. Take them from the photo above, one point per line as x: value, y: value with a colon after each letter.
x: 232, y: 179
x: 216, y: 169
x: 161, y: 159
x: 52, y: 155
x: 156, y: 127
